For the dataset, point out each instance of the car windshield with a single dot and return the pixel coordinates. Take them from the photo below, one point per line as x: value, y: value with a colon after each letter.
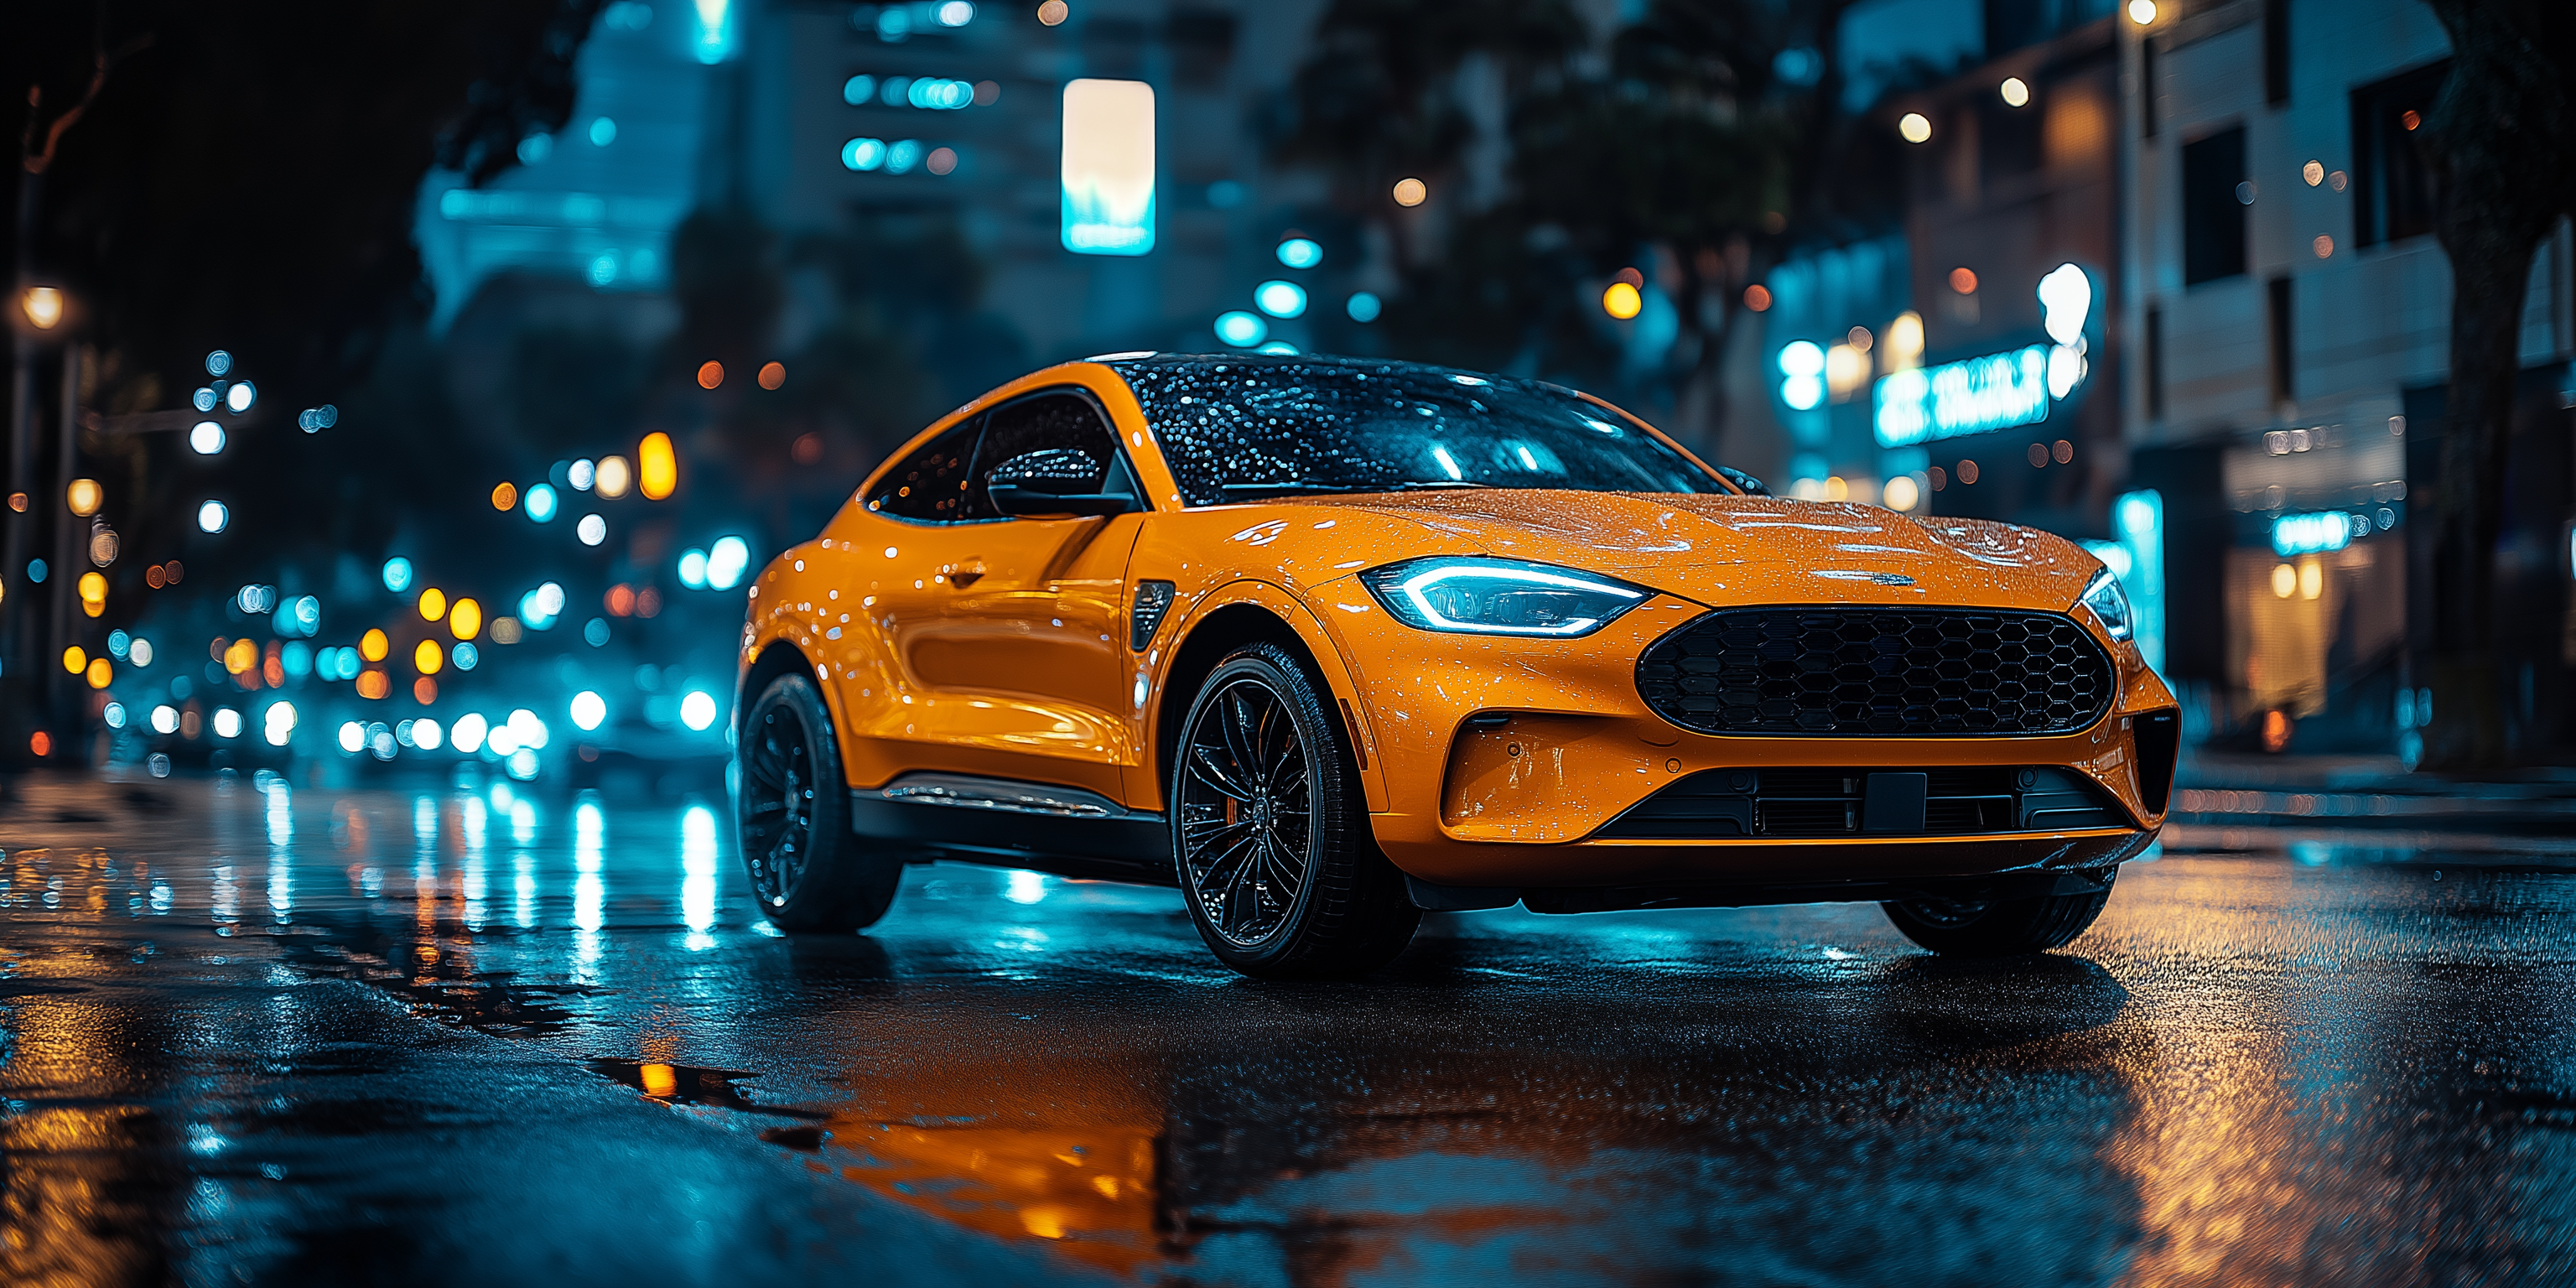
x: 1239, y: 429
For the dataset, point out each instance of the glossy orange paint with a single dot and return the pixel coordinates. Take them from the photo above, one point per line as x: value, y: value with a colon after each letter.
x: 1000, y: 649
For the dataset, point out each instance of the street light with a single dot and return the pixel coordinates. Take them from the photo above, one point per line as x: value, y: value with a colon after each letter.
x: 43, y: 306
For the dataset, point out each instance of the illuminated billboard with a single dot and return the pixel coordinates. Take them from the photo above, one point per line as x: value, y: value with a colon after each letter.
x: 1108, y: 167
x: 1997, y: 391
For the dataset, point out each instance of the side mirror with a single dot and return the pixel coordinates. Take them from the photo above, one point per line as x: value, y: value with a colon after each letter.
x: 1053, y: 483
x: 1751, y: 485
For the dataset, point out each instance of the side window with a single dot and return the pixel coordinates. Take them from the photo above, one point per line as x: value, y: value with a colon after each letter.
x: 1040, y: 422
x: 930, y: 485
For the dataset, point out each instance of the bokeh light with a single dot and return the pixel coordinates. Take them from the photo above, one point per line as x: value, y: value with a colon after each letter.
x: 1300, y: 252
x: 397, y: 574
x: 1241, y: 329
x: 698, y: 709
x: 1411, y: 192
x: 541, y: 503
x: 373, y: 645
x: 206, y: 439
x: 592, y: 529
x: 84, y: 496
x: 657, y: 466
x: 433, y: 604
x: 612, y: 477
x: 1363, y: 306
x: 727, y: 560
x: 1622, y: 301
x: 465, y: 619
x: 1280, y: 299
x: 588, y: 710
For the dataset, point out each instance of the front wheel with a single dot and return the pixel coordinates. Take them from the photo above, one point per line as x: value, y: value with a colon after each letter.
x: 808, y: 872
x: 1270, y: 829
x: 1999, y: 927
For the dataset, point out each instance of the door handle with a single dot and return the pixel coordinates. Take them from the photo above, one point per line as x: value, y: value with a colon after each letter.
x: 966, y: 574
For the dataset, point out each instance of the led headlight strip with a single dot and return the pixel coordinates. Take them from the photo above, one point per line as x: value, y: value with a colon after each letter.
x: 1404, y: 590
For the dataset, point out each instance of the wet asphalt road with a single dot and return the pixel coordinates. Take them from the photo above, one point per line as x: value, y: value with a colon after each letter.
x: 256, y: 1035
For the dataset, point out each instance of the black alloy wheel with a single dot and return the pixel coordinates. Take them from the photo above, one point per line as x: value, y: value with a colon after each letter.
x: 807, y: 870
x: 1999, y: 927
x: 1270, y: 829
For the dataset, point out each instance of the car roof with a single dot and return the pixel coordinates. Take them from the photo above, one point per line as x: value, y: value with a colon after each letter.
x: 1123, y: 363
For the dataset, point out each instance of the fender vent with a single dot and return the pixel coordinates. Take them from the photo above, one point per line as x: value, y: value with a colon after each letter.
x: 1153, y: 599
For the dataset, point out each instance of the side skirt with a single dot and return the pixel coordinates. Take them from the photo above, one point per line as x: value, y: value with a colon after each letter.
x: 996, y: 822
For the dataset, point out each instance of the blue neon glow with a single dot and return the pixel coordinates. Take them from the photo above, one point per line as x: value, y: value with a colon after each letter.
x: 2136, y: 556
x: 2311, y: 534
x: 398, y: 574
x: 863, y: 154
x: 715, y: 30
x: 1997, y: 391
x: 1300, y: 252
x: 1280, y: 299
x: 1802, y: 383
x: 540, y: 503
x: 1241, y: 329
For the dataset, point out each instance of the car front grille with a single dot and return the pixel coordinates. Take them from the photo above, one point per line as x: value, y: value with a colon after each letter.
x: 1877, y: 673
x: 1803, y: 803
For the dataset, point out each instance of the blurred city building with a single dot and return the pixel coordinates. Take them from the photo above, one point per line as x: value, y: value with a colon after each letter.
x: 2289, y: 314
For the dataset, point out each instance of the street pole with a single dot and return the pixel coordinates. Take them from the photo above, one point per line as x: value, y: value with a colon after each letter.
x: 69, y: 559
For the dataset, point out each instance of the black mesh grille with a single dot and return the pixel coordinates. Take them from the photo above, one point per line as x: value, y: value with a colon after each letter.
x: 1877, y: 672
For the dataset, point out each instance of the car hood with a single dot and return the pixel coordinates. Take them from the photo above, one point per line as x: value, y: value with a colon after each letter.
x: 1731, y: 549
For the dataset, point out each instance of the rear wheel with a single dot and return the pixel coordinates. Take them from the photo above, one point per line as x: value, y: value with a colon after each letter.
x: 1999, y: 927
x: 1270, y: 829
x: 808, y: 872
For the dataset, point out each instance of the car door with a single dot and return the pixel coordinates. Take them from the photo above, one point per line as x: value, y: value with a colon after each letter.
x: 918, y: 523
x: 1018, y: 635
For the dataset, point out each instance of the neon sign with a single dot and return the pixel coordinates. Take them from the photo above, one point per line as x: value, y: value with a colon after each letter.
x: 1997, y: 391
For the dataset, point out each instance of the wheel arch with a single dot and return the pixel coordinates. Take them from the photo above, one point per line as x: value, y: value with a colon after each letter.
x: 776, y: 658
x: 1254, y: 612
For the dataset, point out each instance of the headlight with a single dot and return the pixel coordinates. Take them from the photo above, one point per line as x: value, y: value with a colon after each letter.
x: 2108, y: 602
x: 1498, y: 597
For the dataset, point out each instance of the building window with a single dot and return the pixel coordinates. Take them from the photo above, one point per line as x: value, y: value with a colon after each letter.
x: 2213, y: 208
x: 2395, y: 192
x: 2277, y: 319
x: 2155, y: 362
x: 2276, y: 52
x: 2009, y: 144
x: 2148, y: 101
x: 1202, y: 44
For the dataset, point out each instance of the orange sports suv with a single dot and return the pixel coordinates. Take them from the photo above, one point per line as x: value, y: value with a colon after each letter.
x: 1327, y: 642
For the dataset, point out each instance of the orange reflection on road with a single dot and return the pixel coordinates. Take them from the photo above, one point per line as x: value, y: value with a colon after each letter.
x: 1091, y: 1190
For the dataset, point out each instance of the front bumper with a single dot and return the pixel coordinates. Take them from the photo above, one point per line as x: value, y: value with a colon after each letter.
x: 1503, y: 758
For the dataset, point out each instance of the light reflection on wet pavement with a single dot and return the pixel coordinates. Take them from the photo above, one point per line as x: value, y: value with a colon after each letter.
x: 255, y: 1034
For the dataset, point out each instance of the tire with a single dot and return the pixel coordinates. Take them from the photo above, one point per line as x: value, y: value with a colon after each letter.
x: 808, y: 872
x: 1999, y: 927
x: 1270, y: 831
